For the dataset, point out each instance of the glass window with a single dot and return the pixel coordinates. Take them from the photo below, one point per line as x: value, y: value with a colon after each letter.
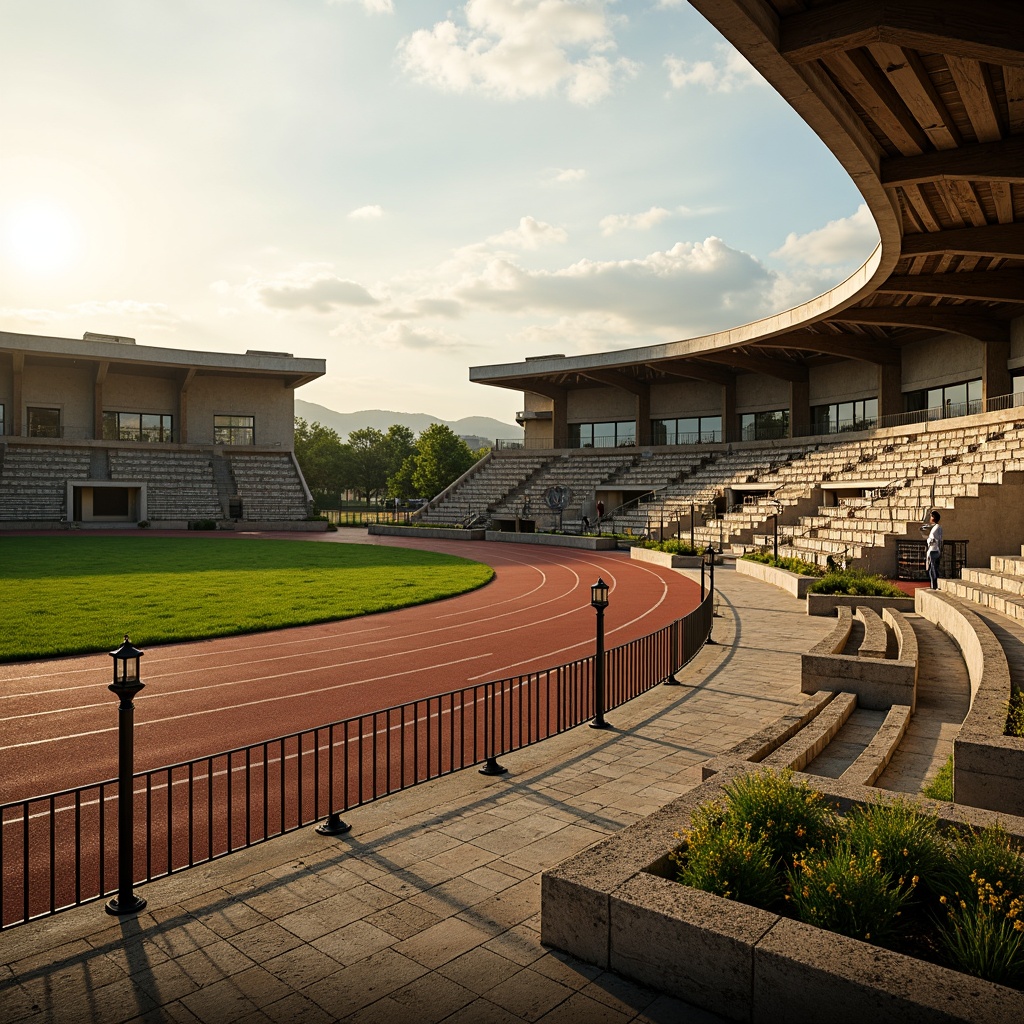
x: 234, y: 429
x: 959, y: 399
x: 137, y: 426
x: 2, y: 429
x: 625, y: 434
x: 710, y: 429
x: 764, y: 426
x: 43, y: 422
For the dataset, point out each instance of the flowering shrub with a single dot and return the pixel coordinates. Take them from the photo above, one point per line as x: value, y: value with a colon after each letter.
x: 885, y: 873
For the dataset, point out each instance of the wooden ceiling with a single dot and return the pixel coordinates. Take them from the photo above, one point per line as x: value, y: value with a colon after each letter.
x: 922, y: 101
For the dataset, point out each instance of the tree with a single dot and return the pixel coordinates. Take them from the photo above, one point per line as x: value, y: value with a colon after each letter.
x: 321, y: 457
x: 442, y: 457
x: 367, y: 471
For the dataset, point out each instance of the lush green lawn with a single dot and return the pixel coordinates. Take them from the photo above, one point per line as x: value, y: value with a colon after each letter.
x: 71, y: 594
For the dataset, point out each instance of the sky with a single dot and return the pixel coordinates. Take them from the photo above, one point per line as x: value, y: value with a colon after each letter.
x: 404, y: 189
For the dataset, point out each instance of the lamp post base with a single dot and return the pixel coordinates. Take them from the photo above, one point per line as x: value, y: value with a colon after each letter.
x: 599, y: 723
x: 333, y: 826
x: 132, y: 905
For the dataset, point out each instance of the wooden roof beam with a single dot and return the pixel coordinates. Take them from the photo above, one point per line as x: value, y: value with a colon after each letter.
x: 1005, y: 285
x: 935, y: 318
x: 987, y: 161
x: 986, y: 30
x: 852, y: 346
x: 689, y: 370
x: 778, y: 368
x: 615, y: 379
x: 1001, y: 240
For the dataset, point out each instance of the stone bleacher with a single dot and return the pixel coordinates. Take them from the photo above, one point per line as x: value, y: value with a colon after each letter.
x: 269, y: 486
x: 180, y: 485
x: 33, y: 481
x: 484, y: 487
x: 582, y: 474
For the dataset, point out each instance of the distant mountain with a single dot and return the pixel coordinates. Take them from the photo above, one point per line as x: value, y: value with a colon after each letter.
x: 473, y: 427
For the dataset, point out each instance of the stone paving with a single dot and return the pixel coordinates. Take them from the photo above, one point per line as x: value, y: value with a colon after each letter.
x: 429, y: 909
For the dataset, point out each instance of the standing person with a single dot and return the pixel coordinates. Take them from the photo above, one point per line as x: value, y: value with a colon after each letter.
x: 934, y: 550
x: 600, y: 511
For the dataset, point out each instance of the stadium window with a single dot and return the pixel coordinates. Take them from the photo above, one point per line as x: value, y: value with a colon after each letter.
x: 960, y: 399
x: 621, y: 434
x: 234, y: 429
x: 138, y: 426
x: 764, y: 426
x: 840, y: 416
x: 2, y: 428
x: 43, y: 422
x: 687, y: 430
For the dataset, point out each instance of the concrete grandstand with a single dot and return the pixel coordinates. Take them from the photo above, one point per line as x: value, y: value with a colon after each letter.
x: 101, y: 431
x: 847, y: 416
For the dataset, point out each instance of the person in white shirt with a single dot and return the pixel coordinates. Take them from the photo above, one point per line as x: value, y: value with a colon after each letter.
x: 934, y: 550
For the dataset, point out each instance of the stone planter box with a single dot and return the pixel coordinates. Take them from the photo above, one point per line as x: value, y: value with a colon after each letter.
x: 791, y: 582
x: 614, y: 906
x: 556, y: 540
x: 826, y: 604
x: 665, y: 558
x: 426, y: 532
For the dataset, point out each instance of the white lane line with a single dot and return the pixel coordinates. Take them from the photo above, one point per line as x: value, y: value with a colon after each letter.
x: 252, y: 703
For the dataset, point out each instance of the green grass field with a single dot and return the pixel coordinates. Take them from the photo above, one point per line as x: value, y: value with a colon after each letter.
x: 74, y: 594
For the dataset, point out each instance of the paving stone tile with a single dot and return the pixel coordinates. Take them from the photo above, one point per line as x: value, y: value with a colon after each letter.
x: 297, y: 1009
x: 479, y: 969
x: 432, y: 997
x: 224, y: 1001
x: 403, y: 920
x: 213, y: 963
x: 581, y: 1009
x: 325, y: 916
x: 483, y: 1011
x: 529, y: 995
x: 362, y: 983
x: 301, y: 966
x: 354, y: 942
x: 521, y: 945
x: 265, y: 941
x: 443, y: 942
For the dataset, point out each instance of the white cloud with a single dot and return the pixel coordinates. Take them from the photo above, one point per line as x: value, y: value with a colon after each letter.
x: 849, y: 239
x: 513, y: 49
x: 730, y: 73
x: 311, y: 287
x: 367, y: 213
x: 692, y: 288
x: 151, y: 315
x: 529, y: 234
x: 616, y: 222
x: 568, y: 175
x: 402, y: 335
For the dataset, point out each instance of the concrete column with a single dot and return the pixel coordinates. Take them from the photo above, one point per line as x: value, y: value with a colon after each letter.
x: 730, y: 425
x: 17, y: 392
x: 995, y: 377
x: 183, y: 406
x: 799, y: 408
x: 643, y: 415
x: 560, y: 419
x: 97, y: 403
x: 890, y: 390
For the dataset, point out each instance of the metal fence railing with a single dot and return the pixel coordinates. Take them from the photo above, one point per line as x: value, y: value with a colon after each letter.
x: 61, y: 850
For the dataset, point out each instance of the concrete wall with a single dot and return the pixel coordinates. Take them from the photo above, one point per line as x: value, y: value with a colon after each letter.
x: 756, y: 393
x: 65, y: 388
x: 684, y: 398
x: 843, y: 382
x: 601, y: 405
x: 123, y: 392
x: 943, y: 360
x: 268, y: 400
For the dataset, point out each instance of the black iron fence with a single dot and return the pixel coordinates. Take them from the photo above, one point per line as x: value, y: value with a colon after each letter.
x: 61, y: 850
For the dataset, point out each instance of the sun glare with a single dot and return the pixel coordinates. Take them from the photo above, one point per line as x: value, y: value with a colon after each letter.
x: 40, y: 238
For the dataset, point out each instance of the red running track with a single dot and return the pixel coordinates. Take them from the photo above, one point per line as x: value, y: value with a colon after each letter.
x: 58, y: 721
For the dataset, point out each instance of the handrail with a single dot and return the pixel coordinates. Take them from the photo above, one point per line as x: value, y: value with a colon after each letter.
x: 60, y: 850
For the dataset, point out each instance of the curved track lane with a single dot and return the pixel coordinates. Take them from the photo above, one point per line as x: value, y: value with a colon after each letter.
x: 58, y: 720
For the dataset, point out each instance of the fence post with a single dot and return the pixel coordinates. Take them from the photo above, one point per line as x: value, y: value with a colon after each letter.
x: 670, y: 679
x: 491, y: 766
